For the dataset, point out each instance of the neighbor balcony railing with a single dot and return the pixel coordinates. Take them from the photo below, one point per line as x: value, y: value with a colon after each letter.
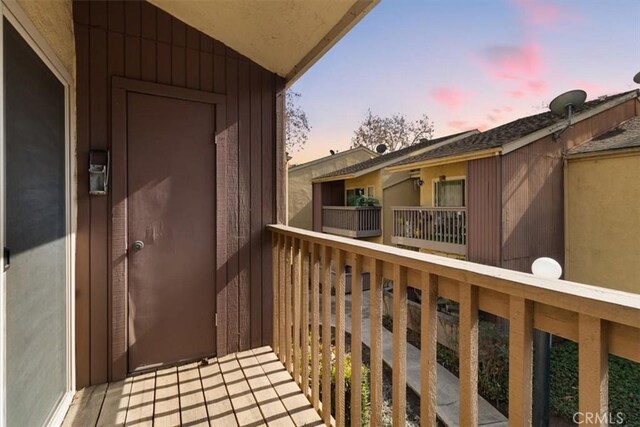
x: 352, y: 221
x: 601, y: 321
x: 439, y: 229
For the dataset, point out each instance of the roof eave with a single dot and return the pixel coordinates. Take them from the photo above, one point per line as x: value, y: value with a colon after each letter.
x: 464, y: 157
x: 550, y: 130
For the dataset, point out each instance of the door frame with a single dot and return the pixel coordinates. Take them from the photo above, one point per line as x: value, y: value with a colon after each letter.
x: 12, y: 11
x: 118, y: 302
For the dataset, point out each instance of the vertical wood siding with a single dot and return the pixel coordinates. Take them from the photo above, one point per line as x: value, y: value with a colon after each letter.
x: 136, y: 40
x: 483, y: 211
x: 329, y: 193
x: 533, y: 191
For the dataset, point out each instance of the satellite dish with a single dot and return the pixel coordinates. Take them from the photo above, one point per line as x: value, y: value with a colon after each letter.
x: 636, y: 78
x: 545, y: 267
x: 566, y: 104
x: 381, y: 148
x: 332, y: 152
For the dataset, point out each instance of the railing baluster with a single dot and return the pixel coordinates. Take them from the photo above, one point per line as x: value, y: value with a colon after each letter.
x: 376, y: 341
x: 429, y: 342
x: 285, y: 332
x: 520, y: 361
x: 304, y: 319
x: 468, y: 354
x: 326, y: 334
x: 593, y: 370
x: 356, y: 341
x: 315, y: 324
x: 275, y: 239
x: 399, y: 380
x: 340, y: 340
x: 296, y: 310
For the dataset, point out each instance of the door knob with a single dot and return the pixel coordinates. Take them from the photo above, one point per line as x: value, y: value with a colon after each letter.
x: 138, y: 245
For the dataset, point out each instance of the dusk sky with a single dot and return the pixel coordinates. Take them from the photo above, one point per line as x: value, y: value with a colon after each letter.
x: 467, y: 63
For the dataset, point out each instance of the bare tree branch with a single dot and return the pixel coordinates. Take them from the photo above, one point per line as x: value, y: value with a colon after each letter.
x: 395, y: 132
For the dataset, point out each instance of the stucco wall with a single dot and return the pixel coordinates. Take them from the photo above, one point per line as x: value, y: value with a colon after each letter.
x: 371, y: 179
x: 53, y: 20
x: 300, y: 187
x: 429, y: 174
x: 603, y: 207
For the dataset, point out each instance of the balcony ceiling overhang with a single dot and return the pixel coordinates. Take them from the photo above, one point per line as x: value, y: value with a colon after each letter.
x: 284, y: 36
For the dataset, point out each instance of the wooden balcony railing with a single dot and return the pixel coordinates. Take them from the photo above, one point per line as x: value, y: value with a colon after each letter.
x: 440, y: 229
x: 352, y: 221
x: 601, y: 321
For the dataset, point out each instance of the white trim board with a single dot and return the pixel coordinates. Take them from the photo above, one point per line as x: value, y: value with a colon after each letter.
x: 12, y: 11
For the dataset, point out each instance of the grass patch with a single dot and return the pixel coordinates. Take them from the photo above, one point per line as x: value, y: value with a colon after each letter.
x: 624, y: 384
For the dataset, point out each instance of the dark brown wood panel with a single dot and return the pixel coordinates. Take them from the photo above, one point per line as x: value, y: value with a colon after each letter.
x: 484, y: 211
x: 137, y: 40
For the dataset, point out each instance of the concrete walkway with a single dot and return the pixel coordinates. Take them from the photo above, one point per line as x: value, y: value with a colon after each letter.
x: 448, y: 385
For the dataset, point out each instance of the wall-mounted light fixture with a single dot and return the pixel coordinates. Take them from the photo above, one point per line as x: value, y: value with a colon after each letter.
x: 419, y: 182
x: 99, y: 162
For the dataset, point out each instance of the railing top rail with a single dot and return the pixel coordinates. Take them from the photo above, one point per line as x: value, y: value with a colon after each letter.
x: 429, y: 208
x: 613, y: 305
x: 351, y: 208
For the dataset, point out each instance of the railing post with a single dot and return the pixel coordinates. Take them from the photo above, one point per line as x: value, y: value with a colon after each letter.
x: 275, y: 239
x: 282, y: 284
x: 593, y: 371
x: 315, y: 324
x: 399, y: 380
x: 356, y: 341
x: 326, y: 334
x: 339, y: 255
x: 376, y: 341
x: 304, y: 320
x: 296, y: 310
x: 428, y: 354
x: 520, y: 361
x: 468, y: 354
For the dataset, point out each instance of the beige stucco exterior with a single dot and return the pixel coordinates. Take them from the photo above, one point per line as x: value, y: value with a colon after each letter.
x: 53, y: 19
x: 428, y: 175
x: 403, y: 192
x: 300, y: 210
x: 285, y: 37
x: 602, y: 201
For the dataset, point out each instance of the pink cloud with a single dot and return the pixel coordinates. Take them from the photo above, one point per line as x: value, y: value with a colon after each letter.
x: 513, y: 62
x: 492, y: 118
x: 539, y: 12
x: 516, y: 94
x: 449, y: 97
x: 507, y: 109
x: 536, y: 87
x: 458, y: 124
x: 592, y: 89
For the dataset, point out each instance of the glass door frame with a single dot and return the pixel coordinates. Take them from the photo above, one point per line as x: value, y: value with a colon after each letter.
x: 10, y: 10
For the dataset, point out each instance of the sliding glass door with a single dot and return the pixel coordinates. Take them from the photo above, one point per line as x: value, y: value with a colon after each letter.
x: 36, y: 229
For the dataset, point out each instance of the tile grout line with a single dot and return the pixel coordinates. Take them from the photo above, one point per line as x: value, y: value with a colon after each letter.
x: 204, y: 397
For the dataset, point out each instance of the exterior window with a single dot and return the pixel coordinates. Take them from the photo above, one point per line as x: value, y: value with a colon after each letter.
x: 449, y: 193
x: 370, y: 191
x: 353, y: 194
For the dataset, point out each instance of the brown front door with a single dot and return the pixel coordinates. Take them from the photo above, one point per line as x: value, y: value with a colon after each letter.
x: 171, y: 212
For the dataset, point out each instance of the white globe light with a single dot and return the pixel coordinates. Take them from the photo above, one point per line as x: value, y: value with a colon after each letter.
x: 545, y: 267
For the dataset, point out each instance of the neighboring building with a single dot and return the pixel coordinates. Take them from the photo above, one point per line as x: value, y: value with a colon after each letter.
x: 300, y: 188
x: 334, y: 193
x: 496, y: 198
x: 602, y: 209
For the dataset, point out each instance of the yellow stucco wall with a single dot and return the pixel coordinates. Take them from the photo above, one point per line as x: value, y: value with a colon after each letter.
x: 54, y: 21
x: 373, y: 178
x: 300, y: 188
x: 435, y: 172
x: 601, y: 221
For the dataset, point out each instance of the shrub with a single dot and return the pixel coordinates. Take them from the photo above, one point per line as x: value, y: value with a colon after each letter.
x: 348, y: 370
